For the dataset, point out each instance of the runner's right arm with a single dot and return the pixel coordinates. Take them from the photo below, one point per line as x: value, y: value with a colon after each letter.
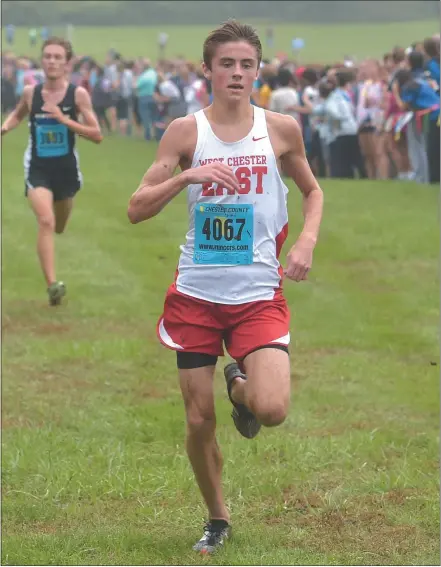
x: 20, y: 111
x: 159, y: 185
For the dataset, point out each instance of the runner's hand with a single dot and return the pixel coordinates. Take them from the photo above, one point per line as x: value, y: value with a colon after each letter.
x: 54, y: 111
x: 214, y: 173
x: 299, y: 260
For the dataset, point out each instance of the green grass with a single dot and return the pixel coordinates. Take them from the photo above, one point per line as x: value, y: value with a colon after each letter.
x: 322, y: 43
x: 94, y: 464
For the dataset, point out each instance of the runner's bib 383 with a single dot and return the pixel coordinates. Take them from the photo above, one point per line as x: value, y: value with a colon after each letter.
x: 224, y: 234
x: 52, y: 139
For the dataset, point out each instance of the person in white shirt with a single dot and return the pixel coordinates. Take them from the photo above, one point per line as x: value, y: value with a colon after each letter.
x: 370, y: 113
x: 228, y: 287
x: 345, y: 154
x: 285, y: 99
x: 166, y: 92
x: 196, y: 94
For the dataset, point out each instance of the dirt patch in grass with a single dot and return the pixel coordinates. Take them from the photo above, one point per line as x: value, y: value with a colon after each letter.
x: 52, y: 386
x: 49, y: 321
x: 366, y: 531
x: 11, y: 325
x: 55, y: 380
x: 399, y: 496
x: 45, y: 528
x: 302, y: 503
x: 150, y: 391
x: 19, y: 422
x: 360, y: 524
x: 52, y: 329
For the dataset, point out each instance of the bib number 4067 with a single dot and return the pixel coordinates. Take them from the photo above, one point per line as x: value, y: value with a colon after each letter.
x: 243, y: 175
x: 229, y: 229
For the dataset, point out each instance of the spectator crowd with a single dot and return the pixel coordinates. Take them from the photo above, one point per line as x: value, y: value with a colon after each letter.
x: 376, y: 119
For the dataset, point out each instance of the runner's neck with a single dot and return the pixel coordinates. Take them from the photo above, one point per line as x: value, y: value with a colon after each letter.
x: 55, y: 84
x: 229, y: 114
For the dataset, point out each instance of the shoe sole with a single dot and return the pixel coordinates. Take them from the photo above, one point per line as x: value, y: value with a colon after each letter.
x: 248, y: 427
x: 244, y: 421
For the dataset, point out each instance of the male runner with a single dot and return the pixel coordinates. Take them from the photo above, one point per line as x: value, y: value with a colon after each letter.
x: 52, y: 175
x: 228, y: 284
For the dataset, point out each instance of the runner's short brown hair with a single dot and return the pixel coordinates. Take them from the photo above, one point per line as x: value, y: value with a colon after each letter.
x: 232, y: 30
x: 59, y: 41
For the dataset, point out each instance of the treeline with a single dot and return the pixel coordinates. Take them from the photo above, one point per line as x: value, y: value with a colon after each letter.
x: 128, y: 12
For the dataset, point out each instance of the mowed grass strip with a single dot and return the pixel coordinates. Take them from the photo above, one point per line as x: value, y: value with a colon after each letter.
x: 94, y: 469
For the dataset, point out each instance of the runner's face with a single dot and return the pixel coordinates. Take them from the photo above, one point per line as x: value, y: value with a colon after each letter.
x: 54, y: 61
x: 233, y: 70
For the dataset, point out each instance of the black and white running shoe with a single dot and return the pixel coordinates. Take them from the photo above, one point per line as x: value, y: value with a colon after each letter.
x: 216, y: 532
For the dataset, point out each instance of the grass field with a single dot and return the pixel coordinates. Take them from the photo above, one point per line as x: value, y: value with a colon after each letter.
x: 322, y: 43
x: 94, y: 464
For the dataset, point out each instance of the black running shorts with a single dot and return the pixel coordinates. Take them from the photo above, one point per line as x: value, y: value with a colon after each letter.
x: 64, y: 184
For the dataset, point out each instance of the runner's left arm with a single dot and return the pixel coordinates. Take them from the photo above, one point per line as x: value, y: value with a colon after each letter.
x: 295, y: 164
x: 90, y: 129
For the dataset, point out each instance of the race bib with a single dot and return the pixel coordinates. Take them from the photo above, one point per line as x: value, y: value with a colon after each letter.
x: 52, y: 139
x: 224, y: 234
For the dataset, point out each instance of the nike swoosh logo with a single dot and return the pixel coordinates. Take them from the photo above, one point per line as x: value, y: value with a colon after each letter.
x: 66, y: 108
x: 257, y: 139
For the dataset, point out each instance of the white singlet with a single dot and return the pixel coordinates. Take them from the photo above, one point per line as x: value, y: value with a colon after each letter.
x: 234, y: 240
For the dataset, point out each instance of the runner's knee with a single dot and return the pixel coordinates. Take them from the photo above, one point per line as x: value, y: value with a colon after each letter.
x: 200, y: 423
x: 199, y: 409
x: 46, y: 222
x: 197, y: 393
x: 268, y: 389
x: 269, y: 414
